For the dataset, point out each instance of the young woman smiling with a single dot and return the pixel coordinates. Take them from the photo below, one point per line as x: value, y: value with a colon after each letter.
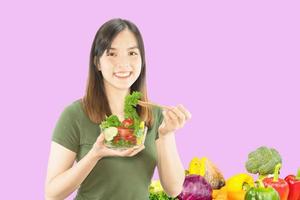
x: 117, y: 67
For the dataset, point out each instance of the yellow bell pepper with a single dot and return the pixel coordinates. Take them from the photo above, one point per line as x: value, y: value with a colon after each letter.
x: 238, y: 185
x: 197, y: 166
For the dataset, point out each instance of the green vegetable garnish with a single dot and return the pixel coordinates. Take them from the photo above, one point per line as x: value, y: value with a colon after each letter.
x: 156, y: 192
x: 160, y: 196
x: 130, y: 112
x: 130, y: 109
x: 111, y: 121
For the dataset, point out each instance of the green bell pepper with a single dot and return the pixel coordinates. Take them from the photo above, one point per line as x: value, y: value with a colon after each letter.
x: 262, y: 193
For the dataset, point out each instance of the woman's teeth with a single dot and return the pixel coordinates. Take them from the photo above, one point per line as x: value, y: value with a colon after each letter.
x: 122, y: 74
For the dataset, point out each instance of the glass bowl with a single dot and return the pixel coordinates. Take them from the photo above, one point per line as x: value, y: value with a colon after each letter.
x: 121, y: 138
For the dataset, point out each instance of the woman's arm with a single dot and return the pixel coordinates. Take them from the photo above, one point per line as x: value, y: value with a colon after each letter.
x: 170, y: 168
x: 63, y: 177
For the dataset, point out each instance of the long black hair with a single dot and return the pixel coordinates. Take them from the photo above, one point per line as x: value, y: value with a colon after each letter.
x: 95, y: 101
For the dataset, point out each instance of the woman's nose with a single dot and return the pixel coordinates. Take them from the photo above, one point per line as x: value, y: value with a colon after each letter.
x: 123, y: 62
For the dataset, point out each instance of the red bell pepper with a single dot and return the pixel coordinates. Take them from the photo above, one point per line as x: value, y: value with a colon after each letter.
x: 280, y: 185
x: 294, y: 184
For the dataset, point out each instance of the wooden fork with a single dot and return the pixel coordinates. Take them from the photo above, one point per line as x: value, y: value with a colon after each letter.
x: 147, y: 104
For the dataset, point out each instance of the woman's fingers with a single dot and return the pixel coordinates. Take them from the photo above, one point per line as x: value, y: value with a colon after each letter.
x: 174, y: 118
x: 137, y: 150
x: 172, y: 115
x: 180, y: 111
x: 186, y: 113
x: 100, y: 140
x: 130, y: 152
x: 100, y: 148
x: 180, y: 115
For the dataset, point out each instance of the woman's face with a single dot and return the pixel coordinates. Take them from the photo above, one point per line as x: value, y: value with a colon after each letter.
x: 121, y: 64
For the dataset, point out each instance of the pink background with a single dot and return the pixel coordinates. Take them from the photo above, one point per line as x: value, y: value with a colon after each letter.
x: 233, y: 64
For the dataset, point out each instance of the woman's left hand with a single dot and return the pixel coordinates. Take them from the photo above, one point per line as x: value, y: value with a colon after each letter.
x: 174, y: 118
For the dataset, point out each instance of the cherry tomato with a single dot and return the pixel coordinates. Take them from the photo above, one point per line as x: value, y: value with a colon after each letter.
x: 127, y: 123
x: 124, y: 132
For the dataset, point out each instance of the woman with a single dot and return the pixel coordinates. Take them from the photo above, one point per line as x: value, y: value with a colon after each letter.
x: 117, y: 67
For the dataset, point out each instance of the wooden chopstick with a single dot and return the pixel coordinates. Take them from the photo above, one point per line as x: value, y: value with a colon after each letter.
x: 145, y: 104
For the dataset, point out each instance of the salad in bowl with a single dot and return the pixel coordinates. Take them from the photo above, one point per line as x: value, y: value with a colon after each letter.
x: 131, y: 132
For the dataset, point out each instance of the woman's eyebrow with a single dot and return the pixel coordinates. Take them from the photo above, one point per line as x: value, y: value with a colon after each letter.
x: 134, y: 47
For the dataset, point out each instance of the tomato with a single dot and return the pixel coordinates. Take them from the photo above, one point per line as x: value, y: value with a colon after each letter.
x: 127, y: 134
x: 117, y: 138
x: 127, y: 123
x: 124, y: 132
x: 131, y: 139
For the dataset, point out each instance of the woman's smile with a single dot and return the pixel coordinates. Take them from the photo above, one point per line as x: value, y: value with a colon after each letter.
x: 123, y: 75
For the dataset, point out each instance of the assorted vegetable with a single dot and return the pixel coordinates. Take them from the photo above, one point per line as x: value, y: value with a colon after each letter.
x: 238, y: 185
x: 130, y: 109
x: 220, y: 194
x: 294, y: 186
x: 262, y: 161
x: 195, y: 187
x: 111, y: 121
x: 280, y: 185
x: 130, y: 131
x: 205, y: 181
x: 160, y: 196
x: 157, y: 193
x: 260, y: 192
x: 204, y: 167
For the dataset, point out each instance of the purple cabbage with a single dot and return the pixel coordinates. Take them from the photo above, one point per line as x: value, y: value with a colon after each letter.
x: 195, y: 187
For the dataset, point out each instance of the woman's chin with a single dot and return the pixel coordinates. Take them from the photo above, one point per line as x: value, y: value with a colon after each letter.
x: 122, y: 86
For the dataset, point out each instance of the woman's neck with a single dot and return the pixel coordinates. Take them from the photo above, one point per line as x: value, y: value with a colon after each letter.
x: 116, y: 99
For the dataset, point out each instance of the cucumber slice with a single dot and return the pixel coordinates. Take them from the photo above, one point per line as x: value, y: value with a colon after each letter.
x: 110, y: 133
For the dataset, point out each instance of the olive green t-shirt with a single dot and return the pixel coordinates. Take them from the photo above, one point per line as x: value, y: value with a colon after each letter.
x: 112, y: 178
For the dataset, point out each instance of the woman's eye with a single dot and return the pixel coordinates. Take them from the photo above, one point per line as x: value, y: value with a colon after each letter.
x: 132, y: 53
x: 111, y: 54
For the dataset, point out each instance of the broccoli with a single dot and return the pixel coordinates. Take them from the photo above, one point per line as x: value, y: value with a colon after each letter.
x: 263, y: 161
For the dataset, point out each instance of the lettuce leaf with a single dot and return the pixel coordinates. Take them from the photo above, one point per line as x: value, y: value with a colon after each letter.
x: 160, y: 196
x: 111, y: 121
x: 130, y: 109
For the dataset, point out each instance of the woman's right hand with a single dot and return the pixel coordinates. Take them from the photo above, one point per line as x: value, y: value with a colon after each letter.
x: 100, y: 150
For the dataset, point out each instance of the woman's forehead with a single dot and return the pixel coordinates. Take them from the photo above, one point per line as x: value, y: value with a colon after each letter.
x: 124, y: 40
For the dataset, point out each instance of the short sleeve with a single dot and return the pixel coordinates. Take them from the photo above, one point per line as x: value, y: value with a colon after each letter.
x: 158, y: 120
x: 66, y: 131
